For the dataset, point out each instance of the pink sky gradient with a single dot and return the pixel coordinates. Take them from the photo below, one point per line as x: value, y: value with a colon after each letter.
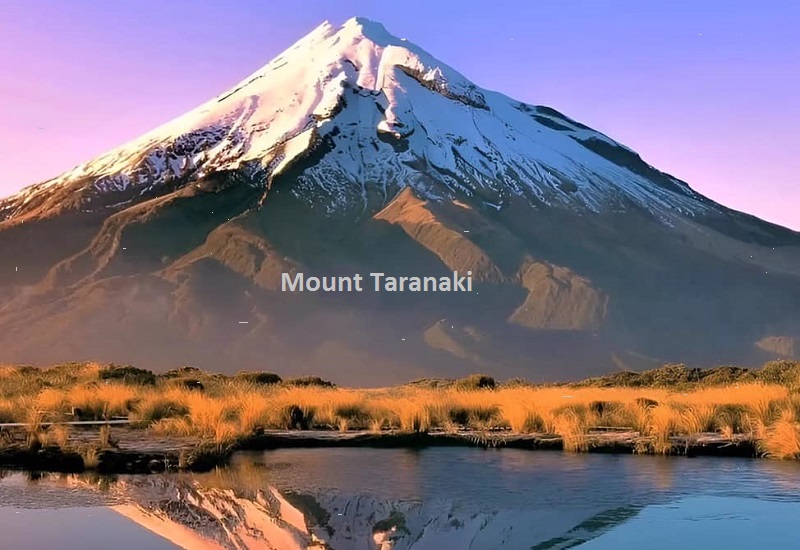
x: 707, y: 94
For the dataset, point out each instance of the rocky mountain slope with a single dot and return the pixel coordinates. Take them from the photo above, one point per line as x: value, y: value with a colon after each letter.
x: 353, y: 152
x: 193, y: 515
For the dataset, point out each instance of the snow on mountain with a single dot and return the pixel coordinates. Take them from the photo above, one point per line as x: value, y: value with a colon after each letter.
x: 355, y: 151
x: 381, y: 114
x: 193, y: 516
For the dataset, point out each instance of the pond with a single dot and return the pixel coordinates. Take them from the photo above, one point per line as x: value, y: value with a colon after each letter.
x: 438, y: 498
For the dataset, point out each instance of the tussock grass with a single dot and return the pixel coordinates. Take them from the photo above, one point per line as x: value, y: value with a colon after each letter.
x: 152, y: 407
x: 103, y: 401
x: 57, y: 435
x: 8, y: 412
x: 222, y: 409
x: 781, y: 439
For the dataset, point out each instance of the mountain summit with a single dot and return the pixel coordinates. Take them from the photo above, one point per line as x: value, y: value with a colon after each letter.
x: 395, y: 115
x: 356, y: 151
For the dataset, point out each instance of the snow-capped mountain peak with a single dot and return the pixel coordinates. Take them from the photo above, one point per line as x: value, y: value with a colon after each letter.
x: 354, y: 151
x: 381, y: 112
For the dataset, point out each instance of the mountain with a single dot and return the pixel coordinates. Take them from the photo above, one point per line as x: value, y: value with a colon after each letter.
x: 199, y: 513
x: 354, y: 152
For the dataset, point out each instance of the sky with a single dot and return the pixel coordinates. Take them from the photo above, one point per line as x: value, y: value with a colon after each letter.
x: 708, y: 91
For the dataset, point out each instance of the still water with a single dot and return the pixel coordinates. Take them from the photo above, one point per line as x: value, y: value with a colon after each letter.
x: 434, y: 499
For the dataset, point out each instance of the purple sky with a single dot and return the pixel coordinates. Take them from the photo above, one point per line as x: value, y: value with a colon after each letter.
x: 708, y: 91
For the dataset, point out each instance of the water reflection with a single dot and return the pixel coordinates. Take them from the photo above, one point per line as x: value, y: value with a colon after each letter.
x: 431, y: 499
x: 705, y: 522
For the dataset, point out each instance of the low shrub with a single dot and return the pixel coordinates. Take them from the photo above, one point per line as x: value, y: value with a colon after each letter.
x: 476, y: 382
x: 186, y: 384
x: 183, y: 372
x: 259, y: 378
x: 305, y: 381
x: 785, y: 373
x: 128, y: 375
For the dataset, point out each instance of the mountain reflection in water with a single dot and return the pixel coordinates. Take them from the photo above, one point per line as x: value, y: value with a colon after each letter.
x: 431, y: 499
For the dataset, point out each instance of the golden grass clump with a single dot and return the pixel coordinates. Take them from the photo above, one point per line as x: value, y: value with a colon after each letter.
x: 521, y: 416
x: 222, y: 409
x: 8, y: 412
x: 208, y: 414
x: 698, y: 418
x: 102, y: 401
x: 570, y: 424
x: 181, y: 427
x: 255, y: 412
x: 152, y: 407
x: 58, y: 434
x: 7, y: 371
x: 781, y: 439
x: 663, y: 422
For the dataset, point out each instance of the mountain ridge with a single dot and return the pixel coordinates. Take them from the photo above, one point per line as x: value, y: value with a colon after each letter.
x: 355, y: 151
x: 360, y: 56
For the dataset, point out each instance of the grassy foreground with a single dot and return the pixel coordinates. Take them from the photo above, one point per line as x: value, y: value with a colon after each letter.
x: 763, y: 405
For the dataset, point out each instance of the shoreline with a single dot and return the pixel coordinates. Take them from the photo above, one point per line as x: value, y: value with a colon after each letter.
x: 136, y: 452
x: 120, y: 419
